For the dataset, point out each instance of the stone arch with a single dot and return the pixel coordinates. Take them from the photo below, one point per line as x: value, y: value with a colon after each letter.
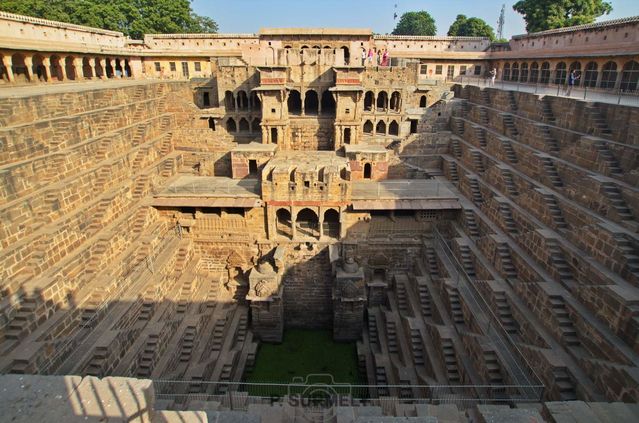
x: 382, y: 100
x: 244, y: 125
x: 127, y: 68
x: 283, y: 223
x: 368, y: 170
x: 99, y: 70
x: 347, y: 135
x: 368, y: 127
x: 255, y: 125
x: 506, y: 73
x: 328, y: 103
x: 331, y: 223
x: 544, y: 75
x: 608, y: 75
x: 119, y: 71
x: 423, y: 101
x: 560, y: 73
x: 19, y: 68
x: 87, y: 72
x: 381, y: 127
x: 39, y: 71
x: 230, y: 125
x: 590, y: 74
x: 311, y: 103
x: 110, y: 72
x: 393, y: 128
x: 575, y: 66
x: 307, y: 223
x: 514, y: 73
x: 294, y: 103
x: 523, y: 75
x: 395, y: 101
x: 534, y: 72
x: 291, y: 175
x: 69, y: 68
x: 229, y: 101
x: 347, y: 55
x: 369, y: 100
x: 55, y: 68
x: 242, y: 100
x: 630, y: 76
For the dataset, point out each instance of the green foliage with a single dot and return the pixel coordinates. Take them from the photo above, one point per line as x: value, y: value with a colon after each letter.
x: 471, y: 27
x: 541, y: 15
x: 132, y: 17
x: 415, y: 23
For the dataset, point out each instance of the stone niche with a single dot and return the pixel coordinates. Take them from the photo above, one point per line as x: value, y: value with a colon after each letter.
x: 267, y: 307
x: 349, y: 301
x: 367, y: 162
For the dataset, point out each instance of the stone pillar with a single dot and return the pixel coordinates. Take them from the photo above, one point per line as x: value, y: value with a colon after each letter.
x: 267, y: 305
x: 112, y: 64
x: 619, y: 76
x: 319, y: 103
x: 28, y: 64
x: 92, y: 66
x: 293, y: 222
x: 237, y: 103
x: 320, y: 219
x: 8, y: 64
x: 103, y: 66
x: 599, y: 75
x: 63, y: 68
x: 349, y: 301
x: 46, y: 62
x: 77, y: 68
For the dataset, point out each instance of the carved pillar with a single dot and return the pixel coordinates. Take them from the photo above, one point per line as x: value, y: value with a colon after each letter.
x: 320, y: 218
x: 112, y: 65
x: 8, y: 64
x: 28, y: 64
x: 293, y: 222
x: 77, y: 68
x: 349, y: 301
x: 619, y: 76
x: 63, y: 69
x: 46, y: 62
x: 92, y: 66
x: 103, y: 66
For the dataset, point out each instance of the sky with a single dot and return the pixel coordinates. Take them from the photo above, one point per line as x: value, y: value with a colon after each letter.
x: 248, y: 16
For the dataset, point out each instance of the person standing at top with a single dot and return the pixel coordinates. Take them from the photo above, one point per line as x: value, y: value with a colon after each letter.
x: 370, y: 56
x: 363, y: 57
x: 385, y: 58
x: 493, y: 75
x: 572, y: 78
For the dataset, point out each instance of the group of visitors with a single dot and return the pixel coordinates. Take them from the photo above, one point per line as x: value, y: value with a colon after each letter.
x: 380, y: 59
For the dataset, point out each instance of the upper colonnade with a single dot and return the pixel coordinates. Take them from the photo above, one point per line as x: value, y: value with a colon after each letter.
x: 39, y: 50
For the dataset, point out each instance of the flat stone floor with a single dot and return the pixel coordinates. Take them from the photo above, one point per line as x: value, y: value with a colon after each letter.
x: 402, y: 189
x: 28, y: 90
x: 211, y: 186
x: 578, y: 93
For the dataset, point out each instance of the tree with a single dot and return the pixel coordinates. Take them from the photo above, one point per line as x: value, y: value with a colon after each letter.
x: 132, y: 17
x: 471, y: 27
x: 415, y: 23
x: 541, y: 15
